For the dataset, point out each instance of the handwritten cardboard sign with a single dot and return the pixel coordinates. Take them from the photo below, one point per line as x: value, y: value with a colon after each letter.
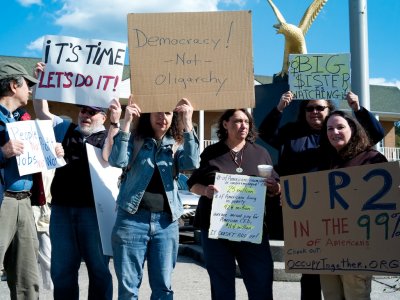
x: 319, y: 76
x: 203, y: 56
x: 81, y: 71
x: 343, y: 221
x: 39, y: 146
x: 238, y: 208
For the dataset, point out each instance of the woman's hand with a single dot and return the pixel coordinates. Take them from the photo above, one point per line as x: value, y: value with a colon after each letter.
x: 209, y: 191
x: 285, y: 100
x: 132, y: 111
x: 352, y: 100
x: 185, y: 111
x: 273, y: 186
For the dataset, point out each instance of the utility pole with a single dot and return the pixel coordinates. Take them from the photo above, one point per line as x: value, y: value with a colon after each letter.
x: 359, y: 50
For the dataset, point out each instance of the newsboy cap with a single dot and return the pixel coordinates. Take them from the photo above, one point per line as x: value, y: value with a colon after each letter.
x: 10, y: 69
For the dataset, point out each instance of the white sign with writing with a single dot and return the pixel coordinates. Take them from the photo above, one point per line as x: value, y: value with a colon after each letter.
x: 80, y: 71
x: 39, y: 146
x: 319, y: 76
x: 105, y: 191
x: 238, y: 208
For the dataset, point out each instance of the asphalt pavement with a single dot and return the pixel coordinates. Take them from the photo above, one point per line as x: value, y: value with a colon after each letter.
x: 191, y: 282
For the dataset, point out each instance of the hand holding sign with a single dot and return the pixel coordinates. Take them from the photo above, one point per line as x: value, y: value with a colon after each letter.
x: 185, y: 110
x: 34, y: 144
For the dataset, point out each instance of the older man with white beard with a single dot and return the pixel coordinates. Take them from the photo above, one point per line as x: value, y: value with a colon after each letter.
x: 74, y: 231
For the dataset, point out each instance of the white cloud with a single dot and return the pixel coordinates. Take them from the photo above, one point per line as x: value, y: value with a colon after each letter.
x: 105, y: 19
x: 384, y: 81
x: 36, y: 45
x: 110, y: 16
x: 29, y: 2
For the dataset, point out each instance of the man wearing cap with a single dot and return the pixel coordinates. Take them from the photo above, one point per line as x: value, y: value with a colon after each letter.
x: 74, y: 231
x: 17, y: 228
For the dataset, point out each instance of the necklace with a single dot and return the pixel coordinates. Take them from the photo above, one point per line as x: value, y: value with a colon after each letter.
x: 235, y: 158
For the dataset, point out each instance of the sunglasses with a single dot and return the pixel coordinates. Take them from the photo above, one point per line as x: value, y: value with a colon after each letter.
x: 317, y: 108
x: 89, y: 111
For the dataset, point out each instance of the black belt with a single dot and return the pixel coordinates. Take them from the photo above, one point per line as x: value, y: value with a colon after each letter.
x: 17, y: 195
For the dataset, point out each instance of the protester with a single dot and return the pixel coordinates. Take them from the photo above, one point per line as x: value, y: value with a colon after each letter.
x: 235, y: 153
x: 298, y: 146
x: 74, y: 231
x: 40, y: 199
x: 148, y: 203
x: 18, y: 239
x: 348, y: 145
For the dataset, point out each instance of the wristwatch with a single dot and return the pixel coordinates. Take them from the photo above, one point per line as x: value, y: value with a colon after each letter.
x: 116, y: 125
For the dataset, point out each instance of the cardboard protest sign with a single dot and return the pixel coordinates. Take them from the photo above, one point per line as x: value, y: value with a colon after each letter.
x: 39, y: 146
x: 203, y: 56
x: 339, y: 221
x: 238, y: 208
x: 319, y: 76
x: 81, y: 71
x: 105, y: 191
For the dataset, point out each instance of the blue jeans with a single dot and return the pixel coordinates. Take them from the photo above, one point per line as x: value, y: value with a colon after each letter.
x: 140, y: 236
x: 74, y: 235
x: 255, y: 264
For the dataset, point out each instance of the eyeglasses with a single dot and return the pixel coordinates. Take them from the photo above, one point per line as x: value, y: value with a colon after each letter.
x: 317, y: 108
x: 89, y: 111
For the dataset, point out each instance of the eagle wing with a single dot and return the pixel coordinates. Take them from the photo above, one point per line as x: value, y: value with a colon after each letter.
x: 278, y: 14
x: 310, y: 15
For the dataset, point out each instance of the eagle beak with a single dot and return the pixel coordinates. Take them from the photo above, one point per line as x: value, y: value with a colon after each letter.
x: 278, y: 27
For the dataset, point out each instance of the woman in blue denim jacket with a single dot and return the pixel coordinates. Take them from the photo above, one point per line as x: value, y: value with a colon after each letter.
x: 149, y: 207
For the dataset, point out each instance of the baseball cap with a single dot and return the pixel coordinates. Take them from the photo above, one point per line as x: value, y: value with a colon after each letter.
x: 10, y: 69
x: 95, y: 108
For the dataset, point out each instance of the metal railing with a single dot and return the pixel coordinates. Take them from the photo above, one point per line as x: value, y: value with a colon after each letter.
x: 391, y: 153
x: 209, y: 142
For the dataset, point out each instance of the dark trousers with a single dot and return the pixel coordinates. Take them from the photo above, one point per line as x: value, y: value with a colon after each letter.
x: 310, y: 287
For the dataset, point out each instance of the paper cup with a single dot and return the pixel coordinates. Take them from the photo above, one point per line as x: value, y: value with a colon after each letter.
x: 265, y: 170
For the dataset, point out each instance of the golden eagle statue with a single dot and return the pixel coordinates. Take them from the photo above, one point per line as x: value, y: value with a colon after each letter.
x: 294, y: 35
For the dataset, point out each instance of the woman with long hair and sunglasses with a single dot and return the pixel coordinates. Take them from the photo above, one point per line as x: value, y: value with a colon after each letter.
x: 345, y: 143
x: 146, y: 227
x: 298, y: 145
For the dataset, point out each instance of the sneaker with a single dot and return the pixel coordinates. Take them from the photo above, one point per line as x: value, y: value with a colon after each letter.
x: 3, y: 275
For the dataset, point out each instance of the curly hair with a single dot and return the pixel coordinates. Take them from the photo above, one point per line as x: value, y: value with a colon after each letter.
x: 143, y: 128
x: 358, y: 142
x: 223, y: 133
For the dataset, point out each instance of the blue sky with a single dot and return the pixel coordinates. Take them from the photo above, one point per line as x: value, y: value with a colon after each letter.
x: 25, y: 22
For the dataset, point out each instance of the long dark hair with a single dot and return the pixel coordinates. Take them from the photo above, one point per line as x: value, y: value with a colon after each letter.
x: 358, y: 142
x: 143, y: 128
x: 223, y: 133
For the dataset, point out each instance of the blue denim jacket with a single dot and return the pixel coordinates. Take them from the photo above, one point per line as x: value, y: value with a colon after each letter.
x: 138, y: 177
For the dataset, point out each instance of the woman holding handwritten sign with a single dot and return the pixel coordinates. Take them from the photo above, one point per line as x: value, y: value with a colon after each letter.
x: 235, y: 153
x: 345, y: 143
